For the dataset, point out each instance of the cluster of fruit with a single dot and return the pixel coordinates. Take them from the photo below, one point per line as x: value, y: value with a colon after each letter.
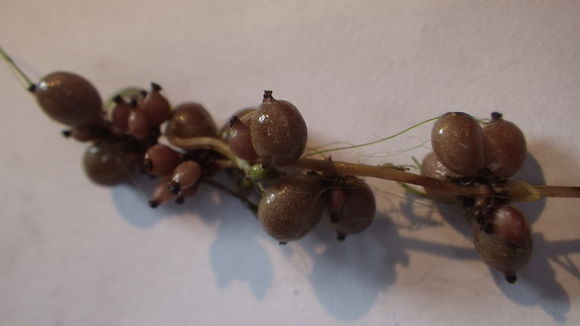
x: 466, y: 153
x: 124, y: 140
x: 268, y: 138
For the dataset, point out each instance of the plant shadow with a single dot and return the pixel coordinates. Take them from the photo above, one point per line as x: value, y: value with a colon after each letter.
x: 347, y: 277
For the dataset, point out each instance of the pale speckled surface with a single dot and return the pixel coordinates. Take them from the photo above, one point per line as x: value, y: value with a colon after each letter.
x: 75, y: 254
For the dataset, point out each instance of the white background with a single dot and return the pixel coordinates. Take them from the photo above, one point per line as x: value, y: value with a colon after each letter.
x: 72, y: 253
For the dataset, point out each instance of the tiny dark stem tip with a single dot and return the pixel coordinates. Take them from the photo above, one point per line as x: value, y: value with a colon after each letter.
x: 148, y: 165
x: 511, y: 278
x: 67, y: 133
x: 340, y: 236
x: 496, y: 116
x: 234, y: 120
x: 174, y: 187
x: 31, y: 88
x: 118, y: 99
x: 268, y: 95
x: 143, y: 92
x: 282, y: 243
x: 153, y: 203
x: 133, y: 103
x: 155, y: 87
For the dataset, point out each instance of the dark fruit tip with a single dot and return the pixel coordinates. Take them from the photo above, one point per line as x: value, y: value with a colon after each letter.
x: 143, y: 92
x: 31, y: 88
x: 118, y: 99
x: 174, y: 187
x: 148, y: 165
x: 511, y: 278
x: 495, y: 116
x: 180, y: 200
x: 133, y: 103
x: 66, y: 133
x: 155, y: 87
x: 341, y: 237
x: 153, y: 203
x: 233, y: 120
x: 282, y: 243
x: 268, y: 95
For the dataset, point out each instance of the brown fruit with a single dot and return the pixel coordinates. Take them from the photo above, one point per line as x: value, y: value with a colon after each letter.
x: 69, y: 98
x: 108, y: 164
x: 156, y: 107
x: 291, y: 207
x: 161, y: 160
x: 278, y: 131
x: 509, y: 245
x: 457, y: 139
x: 190, y: 120
x: 354, y: 210
x: 240, y: 138
x: 505, y: 148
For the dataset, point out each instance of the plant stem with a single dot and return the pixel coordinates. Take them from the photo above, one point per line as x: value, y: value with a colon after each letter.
x: 29, y: 85
x: 372, y: 142
x: 517, y: 191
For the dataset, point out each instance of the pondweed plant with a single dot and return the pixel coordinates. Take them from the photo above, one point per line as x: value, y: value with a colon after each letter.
x: 263, y: 149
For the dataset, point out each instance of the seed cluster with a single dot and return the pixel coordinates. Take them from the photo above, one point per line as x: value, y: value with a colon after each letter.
x: 258, y: 144
x: 464, y: 152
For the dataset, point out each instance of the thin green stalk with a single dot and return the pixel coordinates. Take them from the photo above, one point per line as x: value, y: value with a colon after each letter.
x: 28, y: 83
x: 374, y: 141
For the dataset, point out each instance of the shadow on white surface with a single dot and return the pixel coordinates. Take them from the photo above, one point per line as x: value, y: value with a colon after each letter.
x: 347, y: 277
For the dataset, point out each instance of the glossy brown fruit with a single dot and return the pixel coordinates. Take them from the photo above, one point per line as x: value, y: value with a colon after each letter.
x: 240, y: 138
x: 432, y: 167
x: 108, y: 164
x: 137, y: 124
x: 161, y: 160
x: 505, y: 148
x: 457, y: 139
x: 185, y: 176
x: 278, y: 131
x: 291, y: 207
x: 156, y: 107
x: 353, y: 211
x: 190, y: 120
x: 120, y: 114
x: 509, y: 245
x: 69, y: 98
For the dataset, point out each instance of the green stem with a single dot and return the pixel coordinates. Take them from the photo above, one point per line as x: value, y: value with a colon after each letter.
x: 29, y: 84
x: 374, y: 141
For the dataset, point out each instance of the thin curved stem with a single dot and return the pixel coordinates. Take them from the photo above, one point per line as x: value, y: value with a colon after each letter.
x: 374, y: 141
x: 29, y: 84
